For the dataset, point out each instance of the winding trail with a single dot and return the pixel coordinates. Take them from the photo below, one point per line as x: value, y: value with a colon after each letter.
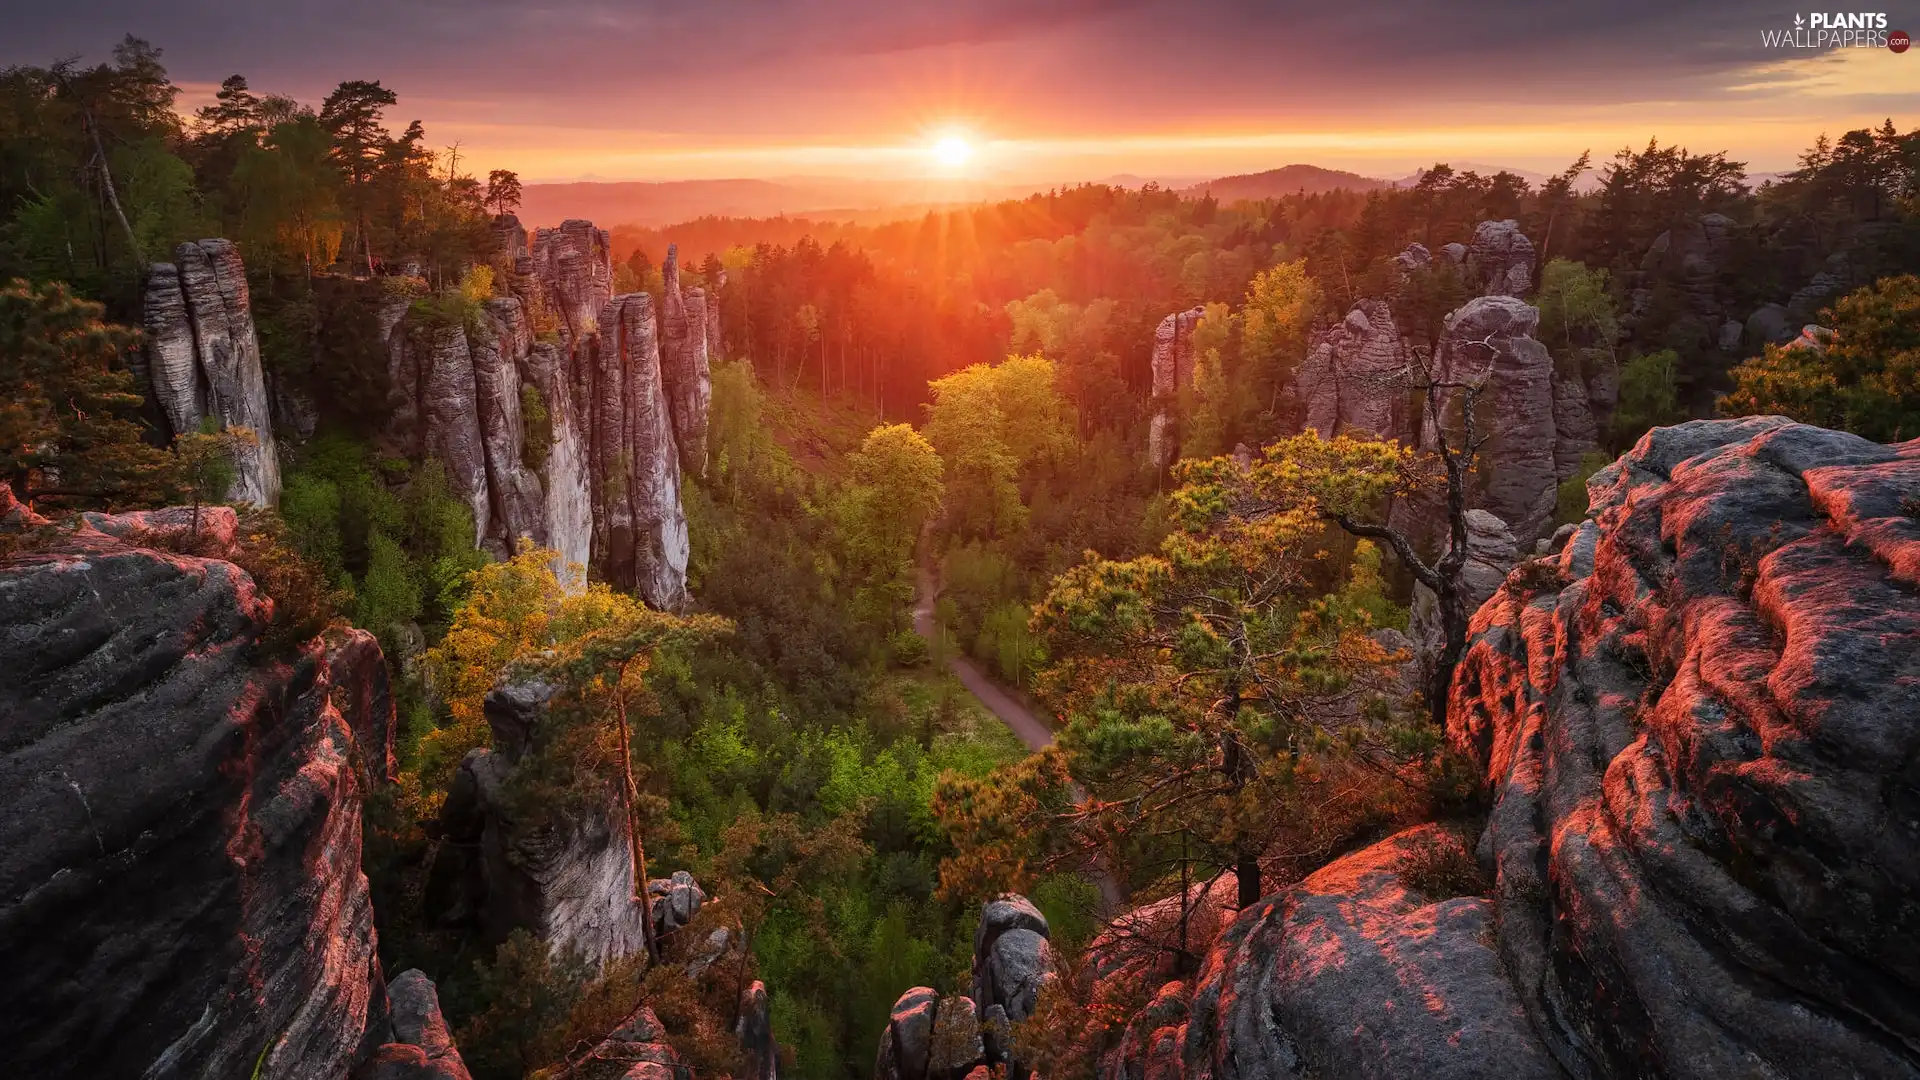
x: 1000, y: 701
x: 1012, y: 709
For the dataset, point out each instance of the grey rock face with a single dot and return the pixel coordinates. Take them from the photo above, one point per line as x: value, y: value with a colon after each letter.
x: 685, y: 373
x: 1492, y: 551
x: 573, y: 266
x: 363, y: 694
x: 1501, y: 259
x: 1355, y: 377
x: 517, y: 502
x: 1576, y: 433
x: 755, y: 1033
x: 422, y: 1048
x: 511, y: 236
x: 452, y: 421
x: 179, y: 827
x: 568, y: 509
x: 569, y: 880
x: 646, y: 533
x: 406, y: 390
x: 1489, y: 341
x: 716, y: 345
x: 1172, y: 369
x: 1358, y: 972
x: 1689, y: 743
x: 1768, y: 325
x: 203, y: 357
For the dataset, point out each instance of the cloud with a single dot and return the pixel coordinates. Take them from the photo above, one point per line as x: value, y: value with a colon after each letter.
x: 731, y: 73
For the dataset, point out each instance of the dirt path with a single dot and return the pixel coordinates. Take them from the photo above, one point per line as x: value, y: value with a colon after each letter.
x: 1010, y: 707
x: 1000, y: 701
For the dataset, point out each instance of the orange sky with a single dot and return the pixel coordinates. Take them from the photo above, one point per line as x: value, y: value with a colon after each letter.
x: 1045, y: 90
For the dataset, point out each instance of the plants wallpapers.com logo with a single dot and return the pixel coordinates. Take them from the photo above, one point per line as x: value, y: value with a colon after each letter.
x: 1837, y: 30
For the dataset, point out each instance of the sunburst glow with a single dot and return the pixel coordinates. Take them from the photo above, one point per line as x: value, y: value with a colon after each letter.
x: 952, y: 151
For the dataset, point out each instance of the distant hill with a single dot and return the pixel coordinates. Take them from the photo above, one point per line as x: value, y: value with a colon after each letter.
x: 1286, y: 180
x: 656, y: 203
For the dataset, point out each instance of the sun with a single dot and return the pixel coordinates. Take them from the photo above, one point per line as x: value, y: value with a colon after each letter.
x: 952, y: 151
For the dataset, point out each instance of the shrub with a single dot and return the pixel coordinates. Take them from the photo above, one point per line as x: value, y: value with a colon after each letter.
x: 909, y: 649
x: 1440, y: 867
x: 1570, y: 504
x: 536, y: 436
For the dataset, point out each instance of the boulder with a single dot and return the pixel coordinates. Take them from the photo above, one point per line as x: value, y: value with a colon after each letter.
x: 1697, y: 740
x: 1500, y: 260
x: 1768, y: 325
x: 674, y: 901
x: 422, y: 1047
x: 1368, y: 968
x: 203, y: 358
x: 179, y: 825
x: 906, y: 1046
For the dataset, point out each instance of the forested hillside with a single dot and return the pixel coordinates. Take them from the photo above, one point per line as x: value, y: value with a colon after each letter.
x: 634, y: 524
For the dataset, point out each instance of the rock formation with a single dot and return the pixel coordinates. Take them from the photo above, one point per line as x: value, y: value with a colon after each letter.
x: 179, y: 819
x: 636, y: 1050
x: 1698, y: 734
x: 1355, y: 378
x: 1500, y: 260
x: 203, y: 358
x: 422, y: 1047
x: 477, y: 391
x: 564, y: 478
x: 449, y: 399
x: 1172, y: 370
x: 684, y: 369
x: 716, y: 344
x: 572, y: 267
x: 755, y: 1033
x: 1366, y: 968
x: 640, y: 530
x: 673, y: 902
x: 567, y: 879
x: 933, y: 1038
x: 1489, y: 342
x: 1491, y: 552
x: 500, y: 350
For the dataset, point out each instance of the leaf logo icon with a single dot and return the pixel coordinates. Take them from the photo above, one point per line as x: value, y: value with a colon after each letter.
x: 1799, y: 21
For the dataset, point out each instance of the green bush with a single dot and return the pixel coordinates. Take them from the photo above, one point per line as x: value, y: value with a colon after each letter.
x: 536, y: 438
x: 1571, y: 504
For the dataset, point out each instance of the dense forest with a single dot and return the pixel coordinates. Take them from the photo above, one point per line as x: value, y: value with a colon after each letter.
x: 968, y: 393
